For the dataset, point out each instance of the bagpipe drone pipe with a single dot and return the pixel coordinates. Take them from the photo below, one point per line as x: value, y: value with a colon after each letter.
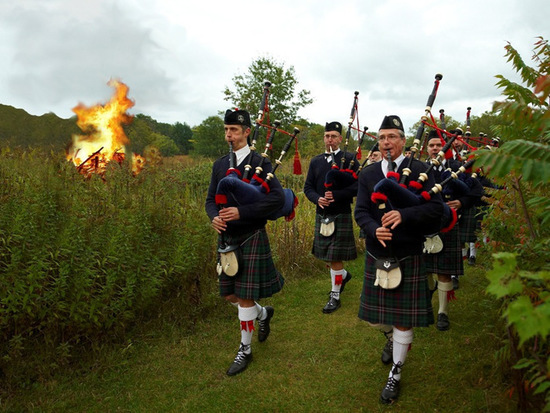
x: 396, y: 191
x: 340, y: 176
x: 389, y: 191
x: 236, y: 190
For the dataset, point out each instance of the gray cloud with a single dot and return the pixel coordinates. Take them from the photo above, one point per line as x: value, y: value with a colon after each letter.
x: 177, y: 57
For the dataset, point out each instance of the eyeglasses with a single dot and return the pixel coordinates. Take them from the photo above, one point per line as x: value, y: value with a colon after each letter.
x: 329, y: 136
x: 390, y: 137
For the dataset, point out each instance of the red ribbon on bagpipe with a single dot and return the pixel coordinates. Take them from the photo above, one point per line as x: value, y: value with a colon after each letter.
x: 396, y: 190
x: 235, y: 190
x: 340, y: 176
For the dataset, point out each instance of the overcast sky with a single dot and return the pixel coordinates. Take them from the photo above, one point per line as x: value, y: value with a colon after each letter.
x: 177, y: 56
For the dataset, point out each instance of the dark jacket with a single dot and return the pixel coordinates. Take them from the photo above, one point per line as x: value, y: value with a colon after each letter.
x: 253, y: 216
x: 314, y: 186
x: 417, y: 220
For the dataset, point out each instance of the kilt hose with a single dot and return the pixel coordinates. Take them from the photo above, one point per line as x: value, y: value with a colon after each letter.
x: 449, y: 260
x: 468, y: 225
x: 408, y: 305
x: 340, y: 246
x: 257, y: 276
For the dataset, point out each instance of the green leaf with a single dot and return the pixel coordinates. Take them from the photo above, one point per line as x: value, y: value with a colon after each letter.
x: 502, y: 279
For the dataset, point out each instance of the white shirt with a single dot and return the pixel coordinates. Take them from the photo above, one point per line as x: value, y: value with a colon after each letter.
x: 242, y: 153
x: 384, y: 164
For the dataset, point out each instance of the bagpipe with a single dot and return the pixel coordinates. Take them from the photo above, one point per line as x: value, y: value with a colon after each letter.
x: 398, y: 191
x: 236, y: 190
x: 471, y: 144
x: 342, y: 176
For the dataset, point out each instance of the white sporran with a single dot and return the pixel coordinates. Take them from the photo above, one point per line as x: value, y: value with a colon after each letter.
x: 388, y: 273
x: 327, y: 226
x: 229, y: 260
x: 433, y: 244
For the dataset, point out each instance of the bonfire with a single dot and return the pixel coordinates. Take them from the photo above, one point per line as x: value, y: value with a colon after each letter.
x: 104, y: 139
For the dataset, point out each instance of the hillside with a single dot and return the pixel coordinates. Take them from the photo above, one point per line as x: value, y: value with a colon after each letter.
x: 21, y: 129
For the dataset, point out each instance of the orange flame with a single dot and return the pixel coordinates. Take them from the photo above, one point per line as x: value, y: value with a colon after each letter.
x: 105, y: 139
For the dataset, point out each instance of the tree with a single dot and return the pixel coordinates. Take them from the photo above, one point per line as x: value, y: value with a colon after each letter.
x: 207, y: 138
x: 521, y: 275
x: 182, y: 134
x: 284, y: 100
x: 165, y: 145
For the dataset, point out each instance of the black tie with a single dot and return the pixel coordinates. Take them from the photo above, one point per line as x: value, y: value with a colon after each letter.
x: 394, y: 166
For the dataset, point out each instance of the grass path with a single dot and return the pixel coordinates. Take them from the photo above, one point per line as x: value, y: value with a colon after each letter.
x: 312, y: 362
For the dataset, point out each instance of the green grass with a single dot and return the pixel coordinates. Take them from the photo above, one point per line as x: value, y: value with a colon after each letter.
x: 312, y: 362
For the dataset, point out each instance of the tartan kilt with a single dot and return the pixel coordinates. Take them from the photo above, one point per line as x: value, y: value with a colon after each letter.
x: 468, y: 225
x: 340, y: 246
x: 408, y: 305
x: 449, y: 260
x: 257, y: 276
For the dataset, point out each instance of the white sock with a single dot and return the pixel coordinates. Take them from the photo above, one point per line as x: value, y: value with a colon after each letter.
x: 337, y: 277
x: 247, y: 315
x: 464, y: 251
x: 387, y: 330
x: 473, y: 249
x: 234, y: 304
x: 262, y: 312
x: 442, y: 288
x: 401, y: 342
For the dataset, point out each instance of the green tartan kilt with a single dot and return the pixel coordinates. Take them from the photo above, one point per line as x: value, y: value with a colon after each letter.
x: 340, y: 246
x: 449, y: 260
x: 408, y: 305
x: 257, y: 276
x: 468, y: 225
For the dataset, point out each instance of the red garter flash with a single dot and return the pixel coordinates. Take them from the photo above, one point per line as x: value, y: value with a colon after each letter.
x: 247, y: 325
x: 451, y: 295
x: 338, y: 279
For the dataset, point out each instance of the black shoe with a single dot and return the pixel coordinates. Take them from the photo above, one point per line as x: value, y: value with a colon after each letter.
x: 344, y: 282
x: 472, y: 260
x: 332, y: 305
x: 442, y: 322
x: 455, y: 283
x: 387, y: 353
x: 263, y: 325
x: 241, y: 361
x: 390, y: 393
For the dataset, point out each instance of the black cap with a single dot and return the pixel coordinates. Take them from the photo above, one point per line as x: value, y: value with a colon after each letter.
x: 392, y: 122
x: 433, y: 134
x: 407, y: 148
x: 237, y: 117
x: 336, y: 126
x: 375, y: 148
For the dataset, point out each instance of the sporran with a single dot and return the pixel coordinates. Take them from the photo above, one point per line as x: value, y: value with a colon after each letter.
x: 388, y: 273
x: 433, y: 244
x: 229, y: 259
x: 327, y: 226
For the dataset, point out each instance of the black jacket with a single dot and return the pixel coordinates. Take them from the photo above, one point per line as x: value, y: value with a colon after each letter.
x: 417, y: 220
x: 314, y: 186
x: 253, y: 216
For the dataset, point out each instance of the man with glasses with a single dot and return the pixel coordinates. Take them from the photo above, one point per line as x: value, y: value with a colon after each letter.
x: 334, y: 241
x: 395, y: 235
